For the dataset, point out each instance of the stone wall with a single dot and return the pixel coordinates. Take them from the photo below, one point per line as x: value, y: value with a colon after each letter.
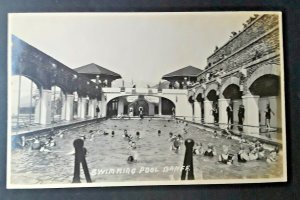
x: 261, y: 46
x: 258, y: 27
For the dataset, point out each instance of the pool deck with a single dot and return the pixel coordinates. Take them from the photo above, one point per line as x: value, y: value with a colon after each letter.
x: 249, y: 136
x: 56, y: 126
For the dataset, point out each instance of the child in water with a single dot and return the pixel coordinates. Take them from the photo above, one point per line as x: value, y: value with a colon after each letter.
x: 210, y: 152
x: 176, y: 145
x: 273, y: 156
x: 138, y: 136
x: 260, y: 149
x: 253, y: 155
x: 158, y: 132
x: 242, y: 155
x: 36, y: 144
x: 225, y: 157
x: 112, y: 134
x: 198, y: 150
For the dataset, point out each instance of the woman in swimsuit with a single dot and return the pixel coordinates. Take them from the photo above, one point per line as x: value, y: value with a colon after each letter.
x: 225, y: 157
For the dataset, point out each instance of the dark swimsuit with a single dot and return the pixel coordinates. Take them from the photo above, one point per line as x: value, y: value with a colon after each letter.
x: 210, y: 154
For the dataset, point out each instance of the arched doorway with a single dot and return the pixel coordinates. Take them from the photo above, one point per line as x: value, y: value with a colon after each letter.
x: 167, y: 106
x: 233, y: 93
x: 58, y: 99
x: 200, y: 100
x: 267, y: 87
x: 213, y: 96
x: 24, y: 100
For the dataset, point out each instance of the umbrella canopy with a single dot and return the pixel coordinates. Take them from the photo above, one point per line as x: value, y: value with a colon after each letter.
x: 92, y: 70
x: 180, y: 74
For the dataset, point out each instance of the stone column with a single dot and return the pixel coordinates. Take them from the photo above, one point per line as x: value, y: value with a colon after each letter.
x: 37, y: 110
x: 251, y: 113
x: 223, y: 118
x: 208, y: 117
x: 99, y: 103
x: 197, y: 111
x: 120, y: 106
x: 83, y: 107
x: 103, y: 108
x: 69, y: 107
x: 78, y: 107
x: 92, y: 108
x: 45, y: 101
x: 63, y: 109
x: 160, y: 107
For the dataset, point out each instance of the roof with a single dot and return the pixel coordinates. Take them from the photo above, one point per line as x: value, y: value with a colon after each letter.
x: 94, y: 69
x: 188, y: 71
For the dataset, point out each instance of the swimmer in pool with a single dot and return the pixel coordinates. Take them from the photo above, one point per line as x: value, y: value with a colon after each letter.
x: 36, y: 144
x: 44, y: 148
x: 175, y: 145
x: 225, y: 157
x: 227, y: 133
x: 131, y: 160
x: 198, y: 150
x: 159, y: 132
x: 253, y: 155
x: 50, y: 142
x: 125, y: 134
x: 138, y: 136
x: 242, y: 155
x: 273, y: 155
x: 112, y: 134
x: 211, y: 151
x: 82, y: 137
x: 261, y: 151
x: 215, y: 134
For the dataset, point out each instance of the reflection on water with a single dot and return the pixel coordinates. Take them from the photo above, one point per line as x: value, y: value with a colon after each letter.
x: 107, y: 156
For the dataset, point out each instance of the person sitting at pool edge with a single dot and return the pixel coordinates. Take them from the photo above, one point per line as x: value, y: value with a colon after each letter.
x: 225, y: 157
x: 210, y: 152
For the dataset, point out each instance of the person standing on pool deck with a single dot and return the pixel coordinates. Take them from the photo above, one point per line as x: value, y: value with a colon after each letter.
x: 229, y: 111
x: 241, y: 116
x: 268, y: 112
x: 173, y: 112
x: 97, y: 110
x: 141, y: 112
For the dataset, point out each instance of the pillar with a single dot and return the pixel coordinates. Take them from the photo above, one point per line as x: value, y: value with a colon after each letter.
x: 63, y: 109
x: 69, y: 107
x: 208, y: 116
x: 160, y: 107
x: 197, y: 111
x: 78, y: 107
x: 99, y: 103
x: 92, y: 108
x: 37, y: 110
x: 251, y: 113
x: 223, y: 118
x: 83, y: 107
x: 121, y: 106
x: 103, y: 108
x: 45, y: 101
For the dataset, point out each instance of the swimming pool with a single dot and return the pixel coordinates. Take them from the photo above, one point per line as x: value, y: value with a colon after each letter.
x: 107, y: 156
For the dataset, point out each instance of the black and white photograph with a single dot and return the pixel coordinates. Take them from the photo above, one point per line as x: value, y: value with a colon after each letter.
x: 156, y: 98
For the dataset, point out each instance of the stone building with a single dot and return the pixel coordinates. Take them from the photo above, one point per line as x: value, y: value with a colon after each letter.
x: 245, y: 70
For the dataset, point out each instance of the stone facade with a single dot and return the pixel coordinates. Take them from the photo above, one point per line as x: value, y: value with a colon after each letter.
x: 250, y: 55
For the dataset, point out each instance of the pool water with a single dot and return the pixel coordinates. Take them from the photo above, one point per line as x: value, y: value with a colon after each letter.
x: 107, y: 156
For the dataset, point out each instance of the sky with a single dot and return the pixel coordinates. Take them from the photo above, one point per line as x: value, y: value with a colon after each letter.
x: 141, y: 47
